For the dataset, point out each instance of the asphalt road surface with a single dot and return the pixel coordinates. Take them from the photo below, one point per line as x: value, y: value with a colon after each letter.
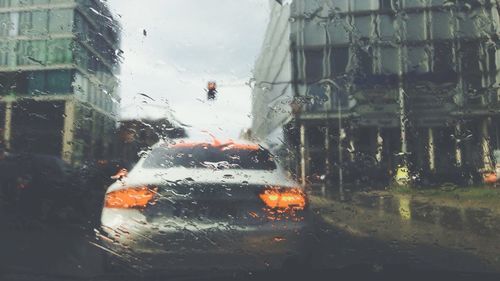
x: 32, y: 252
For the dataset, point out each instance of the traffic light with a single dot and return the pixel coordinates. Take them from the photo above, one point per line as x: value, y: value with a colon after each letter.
x: 211, y: 90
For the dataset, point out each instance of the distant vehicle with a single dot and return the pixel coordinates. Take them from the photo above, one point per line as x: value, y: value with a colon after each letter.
x: 193, y: 205
x: 39, y: 186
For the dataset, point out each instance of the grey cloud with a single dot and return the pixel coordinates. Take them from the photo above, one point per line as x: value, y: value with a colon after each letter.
x: 189, y: 42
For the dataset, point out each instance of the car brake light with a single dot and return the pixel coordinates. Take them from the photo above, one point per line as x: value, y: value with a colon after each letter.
x: 287, y: 198
x: 131, y: 198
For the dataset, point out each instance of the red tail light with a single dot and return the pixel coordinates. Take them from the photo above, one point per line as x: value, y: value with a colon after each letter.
x: 287, y: 198
x: 131, y: 198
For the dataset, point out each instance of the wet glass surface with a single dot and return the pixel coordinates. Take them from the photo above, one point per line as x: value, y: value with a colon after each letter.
x: 249, y: 139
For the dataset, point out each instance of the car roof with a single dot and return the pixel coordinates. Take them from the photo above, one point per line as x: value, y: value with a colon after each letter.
x: 223, y: 145
x: 209, y: 140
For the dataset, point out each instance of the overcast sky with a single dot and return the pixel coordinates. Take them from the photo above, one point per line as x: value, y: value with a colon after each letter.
x: 189, y: 42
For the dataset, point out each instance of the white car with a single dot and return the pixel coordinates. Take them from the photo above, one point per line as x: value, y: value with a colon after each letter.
x: 190, y: 205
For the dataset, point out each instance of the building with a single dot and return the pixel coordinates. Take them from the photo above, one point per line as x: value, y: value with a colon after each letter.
x: 400, y: 84
x: 58, y: 61
x: 142, y: 126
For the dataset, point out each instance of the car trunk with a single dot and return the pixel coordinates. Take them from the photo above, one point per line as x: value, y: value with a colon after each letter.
x: 236, y: 203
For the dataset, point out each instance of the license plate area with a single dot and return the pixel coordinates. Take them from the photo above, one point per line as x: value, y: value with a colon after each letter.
x: 225, y: 203
x: 205, y: 210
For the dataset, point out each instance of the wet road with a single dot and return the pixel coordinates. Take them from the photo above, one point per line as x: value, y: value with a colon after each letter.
x: 69, y: 252
x: 342, y: 242
x: 424, y: 229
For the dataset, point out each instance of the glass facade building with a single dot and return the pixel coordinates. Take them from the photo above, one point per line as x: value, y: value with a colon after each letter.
x: 405, y: 77
x: 63, y: 55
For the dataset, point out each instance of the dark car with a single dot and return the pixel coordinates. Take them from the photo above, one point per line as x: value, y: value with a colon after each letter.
x: 41, y: 187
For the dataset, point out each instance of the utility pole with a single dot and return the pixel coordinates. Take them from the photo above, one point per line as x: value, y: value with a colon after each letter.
x: 328, y: 90
x: 402, y: 172
x: 402, y: 120
x: 341, y: 174
x: 330, y: 85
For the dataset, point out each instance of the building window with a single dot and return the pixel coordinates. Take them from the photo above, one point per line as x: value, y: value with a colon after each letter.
x: 442, y: 23
x: 36, y: 82
x: 416, y: 27
x: 9, y: 83
x: 59, y: 51
x: 40, y: 130
x: 363, y: 26
x: 471, y: 60
x: 25, y: 23
x: 385, y: 4
x: 387, y: 27
x: 314, y: 65
x: 390, y: 60
x: 9, y: 24
x: 363, y: 65
x: 32, y: 52
x: 50, y: 82
x: 59, y: 81
x: 61, y: 21
x: 417, y: 60
x: 443, y: 69
x: 363, y: 5
x: 33, y: 23
x: 339, y: 58
x: 4, y: 24
x: 4, y: 53
x: 81, y: 56
x: 14, y: 21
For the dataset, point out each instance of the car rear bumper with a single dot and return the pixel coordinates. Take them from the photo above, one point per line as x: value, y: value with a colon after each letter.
x: 205, y: 246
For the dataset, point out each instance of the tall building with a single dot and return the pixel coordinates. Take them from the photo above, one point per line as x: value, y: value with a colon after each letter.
x: 401, y: 83
x: 58, y: 61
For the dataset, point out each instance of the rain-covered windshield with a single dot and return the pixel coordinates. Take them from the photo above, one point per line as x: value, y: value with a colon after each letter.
x: 249, y: 139
x: 207, y: 156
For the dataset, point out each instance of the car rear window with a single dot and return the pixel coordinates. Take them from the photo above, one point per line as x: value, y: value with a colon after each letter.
x: 203, y: 156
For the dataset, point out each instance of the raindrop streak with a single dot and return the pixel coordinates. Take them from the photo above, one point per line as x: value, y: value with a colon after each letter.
x: 146, y: 96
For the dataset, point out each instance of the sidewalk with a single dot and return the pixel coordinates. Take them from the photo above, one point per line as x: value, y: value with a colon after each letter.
x: 485, y: 197
x: 396, y: 217
x: 479, y: 213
